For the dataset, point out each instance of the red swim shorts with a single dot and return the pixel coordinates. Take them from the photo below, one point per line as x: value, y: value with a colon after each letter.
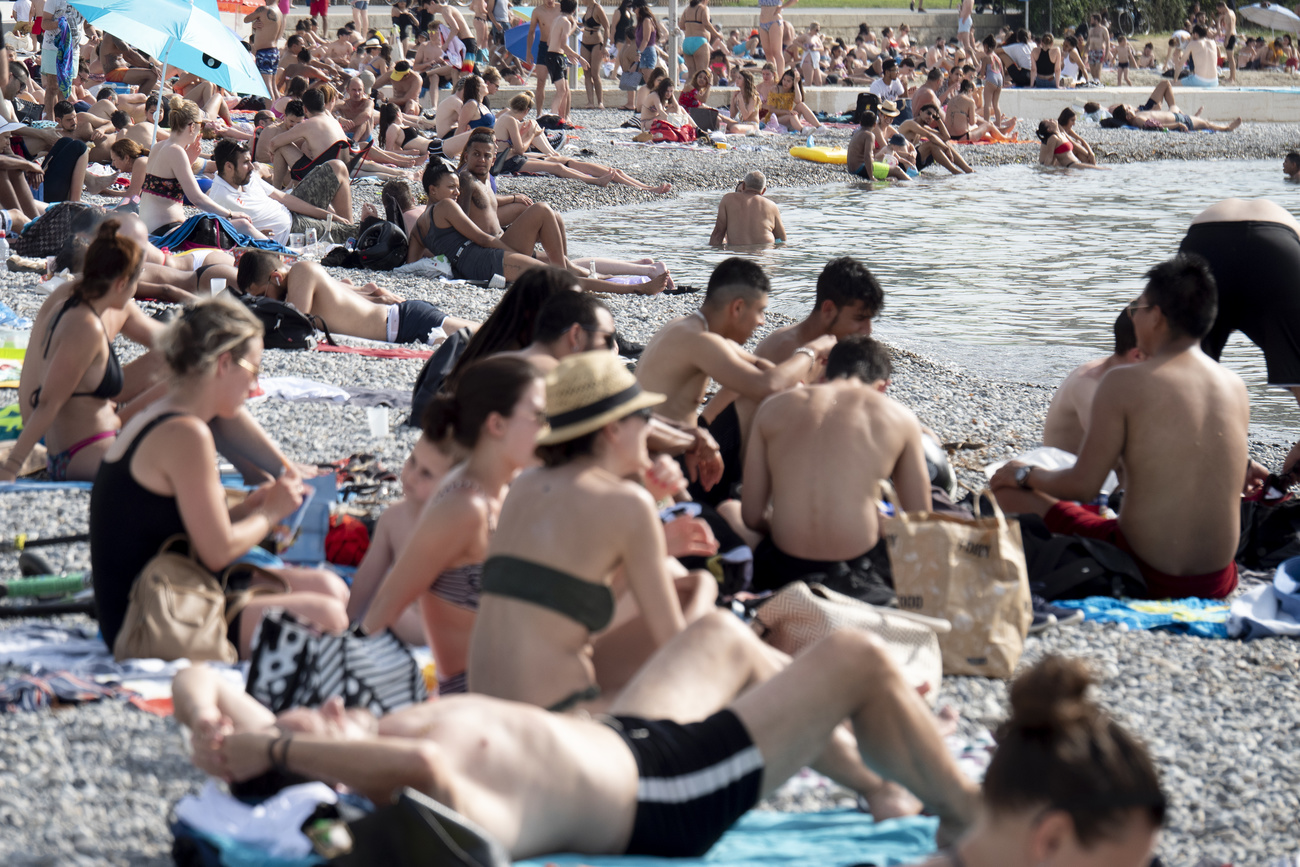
x: 318, y: 7
x: 1071, y: 519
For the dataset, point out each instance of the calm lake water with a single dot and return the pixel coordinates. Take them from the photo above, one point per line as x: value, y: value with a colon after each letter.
x: 1031, y: 263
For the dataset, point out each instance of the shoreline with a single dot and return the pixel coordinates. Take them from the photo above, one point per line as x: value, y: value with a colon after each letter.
x: 95, y: 784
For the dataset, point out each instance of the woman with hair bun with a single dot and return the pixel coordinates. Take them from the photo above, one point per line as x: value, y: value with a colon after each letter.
x: 1068, y: 785
x: 495, y: 415
x: 72, y: 376
x: 144, y: 496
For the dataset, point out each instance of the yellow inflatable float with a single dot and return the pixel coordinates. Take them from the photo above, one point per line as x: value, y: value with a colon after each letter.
x: 834, y: 156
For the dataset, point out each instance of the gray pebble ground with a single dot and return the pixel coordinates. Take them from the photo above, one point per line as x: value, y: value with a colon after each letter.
x: 94, y: 785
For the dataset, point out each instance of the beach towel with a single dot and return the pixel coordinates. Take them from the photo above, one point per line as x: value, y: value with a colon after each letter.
x: 29, y: 692
x: 25, y: 485
x: 375, y: 352
x: 1270, y: 609
x: 771, y: 839
x: 206, y: 230
x: 1204, y: 618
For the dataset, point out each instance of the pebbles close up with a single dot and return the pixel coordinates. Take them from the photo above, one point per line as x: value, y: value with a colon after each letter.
x: 95, y: 784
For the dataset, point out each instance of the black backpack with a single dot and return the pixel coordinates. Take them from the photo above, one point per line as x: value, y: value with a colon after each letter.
x: 284, y: 326
x: 1270, y: 533
x: 1075, y: 567
x: 381, y: 245
x: 435, y: 371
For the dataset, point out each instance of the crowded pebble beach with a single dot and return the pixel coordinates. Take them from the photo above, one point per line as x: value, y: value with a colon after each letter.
x: 1185, y: 735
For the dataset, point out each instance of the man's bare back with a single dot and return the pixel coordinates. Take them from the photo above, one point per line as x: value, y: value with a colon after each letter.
x: 747, y: 218
x: 311, y: 289
x: 819, y: 453
x: 1067, y: 417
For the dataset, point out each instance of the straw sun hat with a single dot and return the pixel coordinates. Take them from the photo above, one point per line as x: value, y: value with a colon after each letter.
x: 587, y: 391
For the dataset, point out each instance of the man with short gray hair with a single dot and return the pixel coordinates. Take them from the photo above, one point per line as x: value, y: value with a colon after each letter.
x: 746, y: 217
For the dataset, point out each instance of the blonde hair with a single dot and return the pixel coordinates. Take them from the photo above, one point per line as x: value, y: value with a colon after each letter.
x: 182, y: 113
x: 522, y: 102
x: 327, y: 92
x: 196, y: 339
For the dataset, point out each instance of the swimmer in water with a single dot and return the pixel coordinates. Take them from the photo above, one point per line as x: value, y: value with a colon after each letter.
x: 746, y: 216
x: 1057, y: 149
x: 1291, y: 166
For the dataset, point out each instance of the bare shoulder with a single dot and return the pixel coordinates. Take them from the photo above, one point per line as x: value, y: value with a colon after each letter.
x: 777, y: 346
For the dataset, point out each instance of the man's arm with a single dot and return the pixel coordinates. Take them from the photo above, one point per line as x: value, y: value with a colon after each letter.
x: 778, y: 227
x: 289, y: 137
x: 303, y: 292
x: 725, y: 363
x: 910, y: 477
x: 719, y: 236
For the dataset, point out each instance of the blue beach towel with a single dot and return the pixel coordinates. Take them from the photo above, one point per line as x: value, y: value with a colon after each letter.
x: 765, y: 839
x: 178, y: 236
x: 1204, y: 618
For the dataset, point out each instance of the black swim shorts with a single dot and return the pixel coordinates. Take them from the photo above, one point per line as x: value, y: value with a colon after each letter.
x: 1231, y: 43
x: 415, y: 319
x: 556, y: 64
x: 1256, y: 266
x: 867, y: 577
x: 471, y: 48
x: 695, y: 781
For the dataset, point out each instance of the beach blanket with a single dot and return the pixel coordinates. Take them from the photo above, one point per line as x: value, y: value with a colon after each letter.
x: 1204, y: 618
x: 376, y: 352
x: 195, y: 232
x: 29, y: 692
x: 26, y: 485
x: 771, y: 839
x: 1270, y: 609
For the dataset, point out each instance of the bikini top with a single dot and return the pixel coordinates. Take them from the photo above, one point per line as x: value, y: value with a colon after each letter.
x: 591, y: 605
x: 163, y: 188
x: 463, y: 585
x: 485, y: 120
x: 1064, y: 148
x: 408, y: 134
x: 110, y: 386
x: 591, y: 22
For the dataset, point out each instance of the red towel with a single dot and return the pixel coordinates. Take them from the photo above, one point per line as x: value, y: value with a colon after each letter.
x: 395, y: 352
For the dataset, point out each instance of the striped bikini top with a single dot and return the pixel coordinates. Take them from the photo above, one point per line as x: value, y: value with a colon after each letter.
x: 463, y: 585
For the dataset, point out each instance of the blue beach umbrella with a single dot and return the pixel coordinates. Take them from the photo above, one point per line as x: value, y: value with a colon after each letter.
x: 187, y: 34
x: 517, y: 41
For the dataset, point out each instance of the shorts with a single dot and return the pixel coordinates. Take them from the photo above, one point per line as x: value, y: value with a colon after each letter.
x: 1184, y: 119
x: 695, y: 781
x: 866, y: 577
x: 117, y: 75
x: 964, y: 24
x: 318, y: 188
x: 49, y: 57
x: 1148, y: 105
x: 1193, y: 80
x: 557, y: 64
x: 1096, y: 56
x: 1255, y: 266
x: 1071, y: 519
x: 1045, y: 83
x: 1121, y: 66
x: 924, y: 162
x: 415, y: 321
x: 454, y: 685
x: 511, y: 165
x: 472, y: 262
x: 268, y: 60
x: 471, y: 47
x: 1231, y: 43
x: 318, y: 7
x: 648, y: 58
x: 363, y: 5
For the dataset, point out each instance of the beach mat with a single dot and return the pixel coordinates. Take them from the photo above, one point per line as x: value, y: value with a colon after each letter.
x: 1203, y: 618
x: 771, y: 839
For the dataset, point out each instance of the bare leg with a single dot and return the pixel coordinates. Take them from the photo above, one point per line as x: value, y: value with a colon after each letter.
x: 325, y: 612
x: 543, y: 74
x: 562, y: 171
x: 537, y: 225
x: 342, y: 204
x: 284, y: 158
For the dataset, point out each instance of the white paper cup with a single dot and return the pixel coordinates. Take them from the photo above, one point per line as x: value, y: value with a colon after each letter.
x: 218, y: 286
x: 377, y: 418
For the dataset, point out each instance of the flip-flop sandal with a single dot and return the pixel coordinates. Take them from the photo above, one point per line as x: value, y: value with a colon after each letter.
x: 417, y: 830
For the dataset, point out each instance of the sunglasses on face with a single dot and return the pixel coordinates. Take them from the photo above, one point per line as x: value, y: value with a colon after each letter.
x: 611, y: 343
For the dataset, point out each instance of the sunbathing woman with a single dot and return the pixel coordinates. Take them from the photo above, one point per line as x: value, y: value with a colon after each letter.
x: 745, y: 106
x: 646, y: 91
x: 697, y: 95
x: 670, y: 121
x: 72, y: 375
x: 519, y: 135
x: 1057, y: 149
x: 170, y: 179
x: 129, y: 159
x: 495, y: 414
x: 785, y: 100
x: 159, y: 479
x: 569, y: 537
x: 1082, y: 149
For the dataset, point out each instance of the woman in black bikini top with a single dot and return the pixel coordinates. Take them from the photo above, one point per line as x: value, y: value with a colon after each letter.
x: 1067, y: 782
x: 565, y: 531
x: 595, y: 35
x: 50, y: 381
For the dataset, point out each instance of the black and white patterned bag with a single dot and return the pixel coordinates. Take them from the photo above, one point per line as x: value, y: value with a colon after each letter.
x: 294, y: 665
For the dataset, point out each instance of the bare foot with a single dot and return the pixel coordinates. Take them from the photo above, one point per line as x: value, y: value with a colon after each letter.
x: 661, y: 268
x: 654, y: 285
x: 890, y: 801
x: 662, y: 188
x: 606, y: 180
x: 1198, y: 111
x: 1236, y: 123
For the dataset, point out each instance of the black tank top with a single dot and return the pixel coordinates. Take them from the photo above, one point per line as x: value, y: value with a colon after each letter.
x: 127, y: 526
x: 1046, y: 68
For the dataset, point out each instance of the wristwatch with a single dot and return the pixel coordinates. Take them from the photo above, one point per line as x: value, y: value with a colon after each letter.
x: 1022, y: 476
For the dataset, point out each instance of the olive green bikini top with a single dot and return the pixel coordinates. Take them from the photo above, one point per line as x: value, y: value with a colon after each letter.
x: 590, y: 604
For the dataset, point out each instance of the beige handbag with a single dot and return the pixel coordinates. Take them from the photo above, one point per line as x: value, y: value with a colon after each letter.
x: 800, y: 615
x: 179, y: 610
x: 971, y: 572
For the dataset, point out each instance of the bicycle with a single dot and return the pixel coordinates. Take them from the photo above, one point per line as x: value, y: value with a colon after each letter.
x: 1130, y: 19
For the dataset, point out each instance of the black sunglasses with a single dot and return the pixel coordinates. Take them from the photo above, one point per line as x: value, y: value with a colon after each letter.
x: 611, y: 342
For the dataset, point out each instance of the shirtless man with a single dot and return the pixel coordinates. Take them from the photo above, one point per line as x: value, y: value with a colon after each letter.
x: 686, y: 353
x: 931, y: 139
x: 1098, y: 46
x: 539, y: 782
x: 928, y: 93
x: 456, y: 24
x: 746, y: 217
x: 318, y: 139
x: 1291, y: 166
x: 559, y: 56
x: 1205, y: 60
x: 848, y: 299
x: 1149, y: 115
x: 1228, y: 30
x: 1253, y: 247
x: 340, y: 50
x: 813, y: 468
x: 304, y: 66
x: 268, y: 24
x: 965, y: 26
x: 356, y: 114
x: 123, y: 64
x: 1067, y: 417
x: 1179, y: 421
x: 368, y: 312
x: 428, y: 56
x: 544, y: 16
x: 406, y: 87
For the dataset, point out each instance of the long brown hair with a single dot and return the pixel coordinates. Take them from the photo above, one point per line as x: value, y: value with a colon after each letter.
x: 110, y: 257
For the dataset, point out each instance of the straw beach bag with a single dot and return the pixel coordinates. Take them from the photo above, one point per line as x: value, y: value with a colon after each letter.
x: 971, y: 572
x: 802, y: 614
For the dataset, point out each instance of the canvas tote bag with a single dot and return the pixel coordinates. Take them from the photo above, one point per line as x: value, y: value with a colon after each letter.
x: 970, y: 572
x: 801, y: 614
